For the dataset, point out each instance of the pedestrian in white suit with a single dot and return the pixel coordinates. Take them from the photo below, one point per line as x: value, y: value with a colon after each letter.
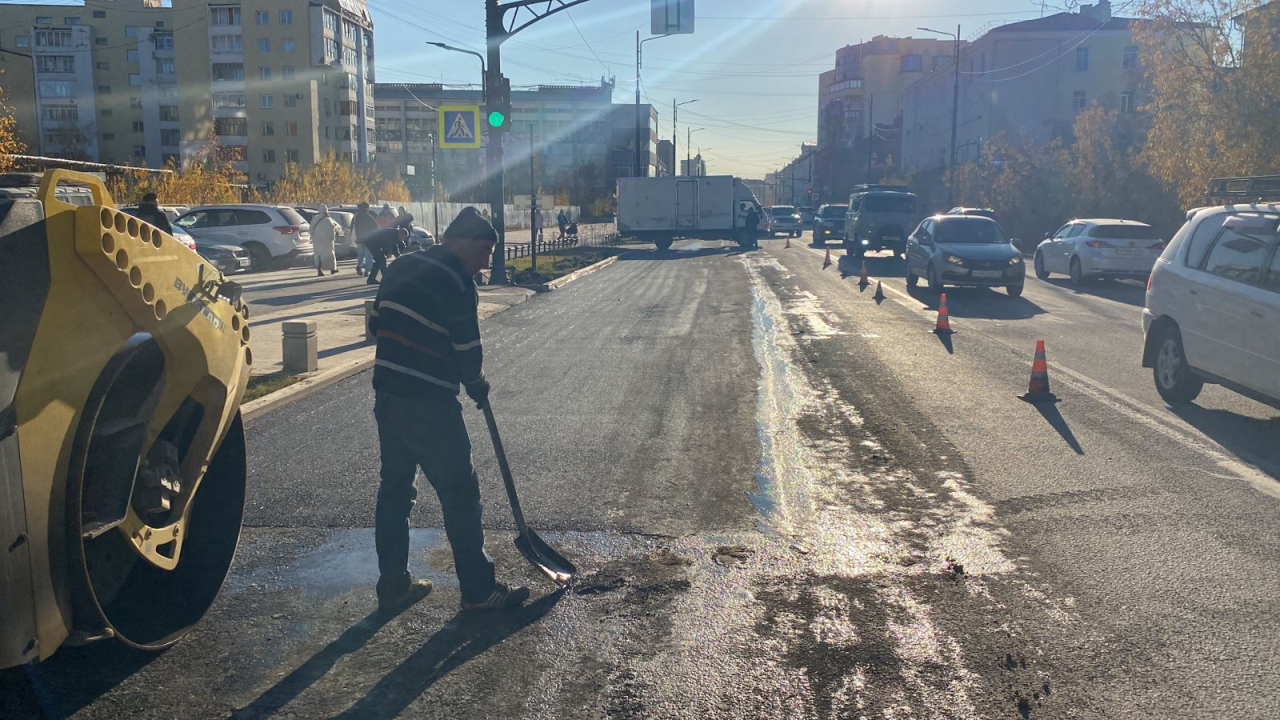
x: 324, y: 233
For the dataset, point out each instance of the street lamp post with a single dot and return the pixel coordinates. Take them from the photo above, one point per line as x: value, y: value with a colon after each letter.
x: 642, y: 169
x: 688, y: 141
x: 955, y: 107
x: 483, y: 73
x: 674, y: 107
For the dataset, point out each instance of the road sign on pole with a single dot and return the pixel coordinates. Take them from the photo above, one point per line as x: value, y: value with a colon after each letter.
x: 459, y: 126
x: 671, y: 17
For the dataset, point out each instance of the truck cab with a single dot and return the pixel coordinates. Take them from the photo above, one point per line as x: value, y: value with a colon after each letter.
x: 880, y: 217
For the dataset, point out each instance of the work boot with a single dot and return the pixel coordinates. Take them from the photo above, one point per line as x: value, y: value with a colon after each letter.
x: 396, y: 595
x: 319, y: 273
x: 333, y: 272
x: 502, y: 597
x: 360, y: 272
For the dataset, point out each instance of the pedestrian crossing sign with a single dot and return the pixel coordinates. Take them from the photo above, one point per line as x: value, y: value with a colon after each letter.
x: 459, y: 126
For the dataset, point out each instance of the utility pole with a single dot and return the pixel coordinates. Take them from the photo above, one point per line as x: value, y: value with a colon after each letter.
x: 955, y: 119
x: 533, y: 205
x: 871, y: 118
x: 435, y: 188
x: 641, y: 170
x: 494, y: 35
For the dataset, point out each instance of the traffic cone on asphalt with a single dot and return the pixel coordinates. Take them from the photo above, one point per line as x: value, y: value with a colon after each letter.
x: 788, y: 245
x: 826, y: 263
x: 879, y: 296
x: 863, y: 281
x: 1038, y: 388
x: 944, y: 318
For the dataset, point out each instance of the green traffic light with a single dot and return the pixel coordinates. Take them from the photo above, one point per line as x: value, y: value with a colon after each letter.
x: 497, y: 119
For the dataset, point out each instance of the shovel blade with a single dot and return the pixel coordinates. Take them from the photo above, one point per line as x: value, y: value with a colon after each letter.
x: 551, y: 563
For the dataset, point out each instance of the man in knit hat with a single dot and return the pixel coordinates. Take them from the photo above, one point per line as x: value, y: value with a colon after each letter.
x: 428, y: 349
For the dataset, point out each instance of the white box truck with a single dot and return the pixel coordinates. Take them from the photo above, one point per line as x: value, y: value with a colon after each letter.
x: 707, y: 207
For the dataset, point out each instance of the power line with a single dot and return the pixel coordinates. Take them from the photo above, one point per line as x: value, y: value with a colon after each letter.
x: 608, y: 70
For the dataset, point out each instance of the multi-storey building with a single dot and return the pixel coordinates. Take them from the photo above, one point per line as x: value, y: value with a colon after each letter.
x: 577, y: 132
x: 276, y: 82
x: 1029, y: 77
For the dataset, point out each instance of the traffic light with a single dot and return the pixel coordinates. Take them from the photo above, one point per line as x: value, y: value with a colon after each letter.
x: 497, y: 111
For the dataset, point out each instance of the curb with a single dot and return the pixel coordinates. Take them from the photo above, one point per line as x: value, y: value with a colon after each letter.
x: 312, y: 384
x: 575, y: 275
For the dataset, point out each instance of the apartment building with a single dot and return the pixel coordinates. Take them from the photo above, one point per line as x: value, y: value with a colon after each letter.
x: 275, y: 82
x: 582, y: 138
x: 1033, y: 76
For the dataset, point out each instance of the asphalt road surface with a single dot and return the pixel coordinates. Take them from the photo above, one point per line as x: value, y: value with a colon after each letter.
x: 787, y: 500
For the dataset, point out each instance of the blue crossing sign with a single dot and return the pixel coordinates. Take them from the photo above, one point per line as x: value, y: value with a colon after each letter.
x: 459, y: 126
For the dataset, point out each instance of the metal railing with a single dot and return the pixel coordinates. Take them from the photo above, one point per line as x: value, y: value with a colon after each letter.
x: 596, y: 235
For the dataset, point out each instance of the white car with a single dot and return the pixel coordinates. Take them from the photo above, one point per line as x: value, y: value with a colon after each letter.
x: 270, y: 233
x: 1085, y: 249
x: 1213, y: 305
x: 785, y: 220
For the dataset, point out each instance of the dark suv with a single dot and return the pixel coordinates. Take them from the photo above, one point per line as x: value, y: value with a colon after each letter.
x: 880, y: 217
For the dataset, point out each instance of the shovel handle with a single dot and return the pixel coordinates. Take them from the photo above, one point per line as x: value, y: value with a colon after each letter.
x: 506, y: 469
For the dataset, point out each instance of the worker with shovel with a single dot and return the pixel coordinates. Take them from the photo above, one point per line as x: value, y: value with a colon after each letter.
x: 428, y: 335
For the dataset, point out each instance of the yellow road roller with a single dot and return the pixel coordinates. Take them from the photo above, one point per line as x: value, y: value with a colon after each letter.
x: 123, y: 359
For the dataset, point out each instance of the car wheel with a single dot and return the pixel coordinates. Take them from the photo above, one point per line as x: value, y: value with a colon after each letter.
x: 1175, y: 381
x: 259, y: 257
x: 1015, y: 290
x: 1039, y: 265
x: 1077, y: 272
x: 935, y: 284
x: 912, y: 279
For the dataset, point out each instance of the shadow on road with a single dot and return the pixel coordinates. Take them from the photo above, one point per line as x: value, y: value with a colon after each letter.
x: 1050, y: 413
x: 678, y: 253
x: 73, y: 678
x: 878, y: 266
x: 338, y: 293
x: 1121, y: 291
x: 338, y: 350
x: 945, y: 339
x: 464, y: 637
x: 1251, y: 439
x: 982, y: 303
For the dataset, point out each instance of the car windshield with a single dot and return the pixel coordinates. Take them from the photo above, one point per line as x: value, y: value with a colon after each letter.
x: 1125, y: 232
x: 782, y: 211
x: 970, y: 231
x: 905, y: 204
x: 835, y: 212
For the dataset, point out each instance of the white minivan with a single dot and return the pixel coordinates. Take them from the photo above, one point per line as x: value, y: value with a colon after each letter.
x: 1213, y: 305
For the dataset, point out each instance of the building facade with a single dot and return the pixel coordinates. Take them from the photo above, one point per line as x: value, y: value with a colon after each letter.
x: 1029, y: 77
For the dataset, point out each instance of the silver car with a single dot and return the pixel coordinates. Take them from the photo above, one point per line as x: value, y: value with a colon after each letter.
x: 785, y: 220
x: 270, y: 233
x: 1099, y: 248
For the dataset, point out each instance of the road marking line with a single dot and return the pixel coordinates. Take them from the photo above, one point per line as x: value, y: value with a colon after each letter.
x: 1131, y: 407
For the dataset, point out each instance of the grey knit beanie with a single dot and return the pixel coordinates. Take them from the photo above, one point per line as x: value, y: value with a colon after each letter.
x: 470, y: 225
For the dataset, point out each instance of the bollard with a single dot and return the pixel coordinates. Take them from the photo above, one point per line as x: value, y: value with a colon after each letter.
x: 300, y: 347
x: 368, y: 313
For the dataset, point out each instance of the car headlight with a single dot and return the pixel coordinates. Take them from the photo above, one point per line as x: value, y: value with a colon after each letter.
x: 828, y: 232
x: 1015, y: 260
x: 955, y: 260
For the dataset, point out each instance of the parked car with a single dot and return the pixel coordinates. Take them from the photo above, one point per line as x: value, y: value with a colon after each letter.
x: 828, y: 224
x: 420, y: 239
x: 345, y: 244
x: 880, y: 217
x: 785, y: 220
x: 806, y: 215
x: 980, y: 212
x: 1213, y: 305
x: 964, y: 250
x: 179, y: 233
x: 1099, y: 248
x: 230, y: 259
x: 270, y: 233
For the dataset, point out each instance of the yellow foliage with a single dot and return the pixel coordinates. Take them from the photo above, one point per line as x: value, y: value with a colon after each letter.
x: 394, y: 190
x: 331, y: 180
x: 9, y: 142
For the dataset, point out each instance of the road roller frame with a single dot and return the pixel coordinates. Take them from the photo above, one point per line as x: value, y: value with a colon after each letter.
x: 123, y: 359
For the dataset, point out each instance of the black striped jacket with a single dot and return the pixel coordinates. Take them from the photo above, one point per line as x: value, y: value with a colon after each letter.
x: 427, y: 328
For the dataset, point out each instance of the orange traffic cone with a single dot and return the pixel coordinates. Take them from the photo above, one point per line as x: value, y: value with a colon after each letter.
x: 788, y: 245
x: 944, y: 319
x: 826, y: 263
x: 863, y: 281
x: 879, y: 296
x: 1038, y: 388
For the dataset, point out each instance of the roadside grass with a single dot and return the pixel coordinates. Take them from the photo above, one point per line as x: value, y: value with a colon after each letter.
x: 260, y: 385
x: 557, y: 263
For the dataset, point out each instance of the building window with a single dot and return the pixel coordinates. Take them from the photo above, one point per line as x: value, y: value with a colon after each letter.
x: 102, y: 66
x: 53, y: 38
x: 135, y: 79
x: 291, y: 128
x: 290, y: 99
x: 134, y: 31
x: 268, y: 156
x: 1078, y: 100
x: 232, y: 153
x: 330, y: 21
x: 1131, y: 57
x: 228, y: 100
x: 286, y: 17
x: 330, y: 49
x: 231, y: 127
x: 138, y: 126
x: 268, y: 128
x: 106, y: 112
x: 56, y: 63
x: 99, y: 13
x: 286, y: 45
x: 160, y: 23
x: 139, y: 150
x: 226, y: 43
x: 22, y: 41
x: 70, y: 21
x: 131, y: 55
x: 291, y: 156
x: 170, y: 137
x: 135, y: 103
x: 168, y: 113
x: 104, y: 89
x: 164, y: 42
x: 264, y: 45
x: 1127, y: 102
x: 228, y: 71
x: 44, y: 20
x: 912, y: 63
x: 224, y: 16
x: 1082, y: 59
x: 262, y: 17
x: 287, y: 72
x: 264, y: 73
x: 108, y: 136
x: 165, y: 66
x: 100, y: 41
x: 268, y: 101
x: 170, y: 159
x: 60, y: 112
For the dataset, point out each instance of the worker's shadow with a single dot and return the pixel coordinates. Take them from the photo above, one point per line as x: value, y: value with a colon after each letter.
x: 463, y: 637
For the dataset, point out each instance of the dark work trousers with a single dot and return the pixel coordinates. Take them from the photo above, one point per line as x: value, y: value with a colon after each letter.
x: 430, y: 435
x: 379, y: 264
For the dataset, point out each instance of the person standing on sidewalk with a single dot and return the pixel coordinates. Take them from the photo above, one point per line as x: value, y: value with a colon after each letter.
x: 324, y: 234
x: 563, y: 221
x: 149, y: 210
x: 364, y: 225
x: 386, y: 217
x: 428, y: 334
x: 752, y: 223
x: 537, y: 224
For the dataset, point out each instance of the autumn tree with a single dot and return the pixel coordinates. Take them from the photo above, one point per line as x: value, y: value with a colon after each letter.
x: 394, y: 190
x: 1214, y: 79
x: 10, y: 145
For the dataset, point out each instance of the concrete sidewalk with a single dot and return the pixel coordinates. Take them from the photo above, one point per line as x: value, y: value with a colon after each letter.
x: 336, y: 304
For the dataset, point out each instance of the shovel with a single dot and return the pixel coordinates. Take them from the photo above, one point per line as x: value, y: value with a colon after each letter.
x: 535, y: 549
